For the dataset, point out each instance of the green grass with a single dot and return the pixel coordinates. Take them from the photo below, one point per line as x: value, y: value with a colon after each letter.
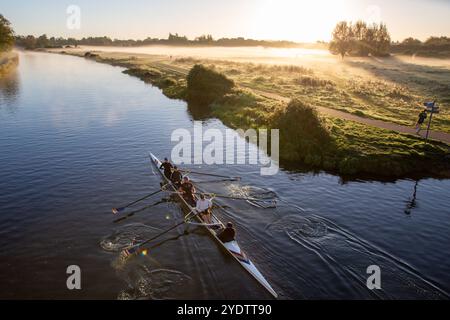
x: 393, y: 91
x: 352, y: 148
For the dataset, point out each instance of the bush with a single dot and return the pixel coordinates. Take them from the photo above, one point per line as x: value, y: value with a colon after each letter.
x: 168, y: 82
x: 204, y: 86
x: 303, y: 134
x: 309, y: 81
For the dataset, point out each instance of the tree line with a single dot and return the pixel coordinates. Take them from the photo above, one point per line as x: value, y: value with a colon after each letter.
x: 433, y: 46
x: 360, y: 39
x: 31, y: 42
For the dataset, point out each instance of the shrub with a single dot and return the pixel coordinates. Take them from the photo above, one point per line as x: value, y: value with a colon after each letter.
x: 309, y: 81
x: 303, y: 134
x: 204, y: 85
x: 168, y: 82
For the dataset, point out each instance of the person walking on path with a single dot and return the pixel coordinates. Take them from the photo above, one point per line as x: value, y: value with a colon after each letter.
x: 422, y: 117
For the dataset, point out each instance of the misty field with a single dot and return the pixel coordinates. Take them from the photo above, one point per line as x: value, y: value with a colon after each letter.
x: 391, y: 89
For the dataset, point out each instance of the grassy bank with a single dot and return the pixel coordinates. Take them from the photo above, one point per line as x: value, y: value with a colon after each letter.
x: 389, y: 89
x: 349, y: 149
x: 322, y: 143
x: 8, y: 61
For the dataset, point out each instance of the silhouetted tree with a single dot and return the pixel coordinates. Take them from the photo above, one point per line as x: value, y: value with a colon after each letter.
x: 360, y: 40
x: 382, y: 40
x: 205, y: 39
x: 360, y: 33
x: 42, y: 41
x: 342, y: 42
x: 30, y: 43
x: 411, y: 42
x: 175, y: 38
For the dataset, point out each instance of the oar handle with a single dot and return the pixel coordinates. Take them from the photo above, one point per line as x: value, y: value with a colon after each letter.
x: 117, y: 210
x: 210, y: 174
x: 188, y: 217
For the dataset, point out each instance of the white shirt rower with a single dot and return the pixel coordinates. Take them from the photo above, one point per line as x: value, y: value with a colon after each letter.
x: 203, y: 204
x: 203, y: 207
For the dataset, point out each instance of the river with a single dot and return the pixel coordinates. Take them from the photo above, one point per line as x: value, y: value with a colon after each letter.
x: 74, y: 142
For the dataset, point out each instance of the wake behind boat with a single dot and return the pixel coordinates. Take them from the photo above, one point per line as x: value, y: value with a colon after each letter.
x: 231, y: 248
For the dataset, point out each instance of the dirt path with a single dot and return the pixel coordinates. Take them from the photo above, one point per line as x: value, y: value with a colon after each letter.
x: 435, y: 135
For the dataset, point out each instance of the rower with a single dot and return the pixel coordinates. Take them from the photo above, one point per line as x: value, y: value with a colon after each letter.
x: 176, y: 177
x: 204, y: 208
x: 228, y: 234
x: 167, y: 168
x: 188, y: 190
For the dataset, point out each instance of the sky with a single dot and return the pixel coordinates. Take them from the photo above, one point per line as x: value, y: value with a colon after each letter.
x: 295, y: 20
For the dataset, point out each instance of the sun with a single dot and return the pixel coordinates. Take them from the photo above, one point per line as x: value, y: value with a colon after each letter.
x: 298, y: 20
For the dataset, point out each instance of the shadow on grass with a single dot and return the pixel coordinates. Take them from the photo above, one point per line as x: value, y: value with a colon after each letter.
x: 430, y: 80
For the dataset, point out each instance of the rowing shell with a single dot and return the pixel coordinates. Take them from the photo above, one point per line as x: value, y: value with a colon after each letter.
x: 232, y: 248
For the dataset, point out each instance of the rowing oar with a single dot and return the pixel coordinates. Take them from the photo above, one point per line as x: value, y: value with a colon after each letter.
x: 235, y: 198
x: 119, y: 210
x: 229, y: 197
x: 211, y: 175
x: 129, y: 215
x: 135, y: 249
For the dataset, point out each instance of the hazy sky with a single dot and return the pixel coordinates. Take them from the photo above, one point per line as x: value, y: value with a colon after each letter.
x: 296, y: 20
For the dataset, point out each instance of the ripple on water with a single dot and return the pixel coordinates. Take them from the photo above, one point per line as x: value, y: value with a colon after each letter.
x: 126, y: 236
x: 155, y: 284
x: 347, y: 255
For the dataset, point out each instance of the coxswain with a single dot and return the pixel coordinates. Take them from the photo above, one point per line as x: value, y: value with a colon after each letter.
x: 228, y: 234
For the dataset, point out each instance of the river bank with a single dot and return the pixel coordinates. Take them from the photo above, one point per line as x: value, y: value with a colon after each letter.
x: 354, y: 150
x: 8, y: 60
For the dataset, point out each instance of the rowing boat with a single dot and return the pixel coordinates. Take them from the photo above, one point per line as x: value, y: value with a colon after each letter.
x: 232, y: 248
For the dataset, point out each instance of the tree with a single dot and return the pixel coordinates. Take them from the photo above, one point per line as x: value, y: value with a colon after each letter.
x: 359, y: 39
x: 42, y: 41
x: 342, y: 42
x: 175, y: 38
x: 382, y: 40
x: 30, y: 43
x: 360, y: 36
x: 6, y: 34
x: 205, y: 39
x: 204, y: 86
x: 411, y: 42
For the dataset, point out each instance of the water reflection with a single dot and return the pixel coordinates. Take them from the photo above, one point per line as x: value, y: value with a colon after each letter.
x: 9, y: 91
x: 198, y: 112
x: 412, y: 204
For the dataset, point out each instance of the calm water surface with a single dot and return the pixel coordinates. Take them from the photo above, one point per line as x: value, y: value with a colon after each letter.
x: 74, y: 138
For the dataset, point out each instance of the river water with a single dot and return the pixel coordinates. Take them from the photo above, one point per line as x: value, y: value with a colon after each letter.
x: 74, y: 140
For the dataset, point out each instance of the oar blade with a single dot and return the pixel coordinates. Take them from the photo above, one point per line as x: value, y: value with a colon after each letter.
x: 118, y: 210
x: 129, y: 252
